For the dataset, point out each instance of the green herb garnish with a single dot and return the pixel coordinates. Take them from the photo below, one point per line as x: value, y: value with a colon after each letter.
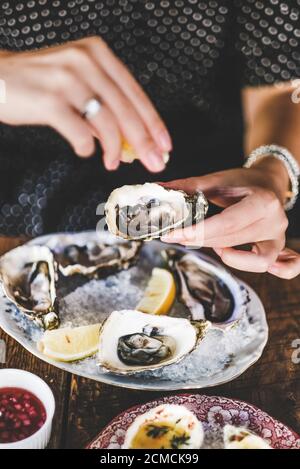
x: 156, y: 432
x: 178, y: 441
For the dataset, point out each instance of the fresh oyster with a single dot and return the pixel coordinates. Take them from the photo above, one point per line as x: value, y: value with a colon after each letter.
x: 142, y: 349
x: 131, y: 341
x: 88, y: 255
x: 148, y: 211
x: 207, y: 295
x: 242, y: 438
x: 167, y: 426
x: 28, y: 275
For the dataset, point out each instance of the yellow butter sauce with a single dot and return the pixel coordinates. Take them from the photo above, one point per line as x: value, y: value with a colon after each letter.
x: 160, y: 435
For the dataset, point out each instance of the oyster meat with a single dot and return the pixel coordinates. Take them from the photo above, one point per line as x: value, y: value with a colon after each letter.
x: 142, y: 349
x: 131, y: 341
x: 207, y: 295
x: 88, y: 255
x: 242, y: 438
x: 28, y: 275
x: 145, y: 212
x: 167, y: 426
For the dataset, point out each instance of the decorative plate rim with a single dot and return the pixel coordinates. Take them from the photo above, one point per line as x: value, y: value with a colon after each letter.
x: 162, y: 400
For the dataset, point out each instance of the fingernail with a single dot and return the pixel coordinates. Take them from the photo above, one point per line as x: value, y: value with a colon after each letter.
x: 115, y: 165
x: 112, y: 165
x: 82, y: 154
x: 156, y: 160
x: 218, y: 251
x: 164, y: 140
x: 273, y: 270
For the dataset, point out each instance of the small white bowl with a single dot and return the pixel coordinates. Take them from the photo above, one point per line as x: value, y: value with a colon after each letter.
x: 25, y: 380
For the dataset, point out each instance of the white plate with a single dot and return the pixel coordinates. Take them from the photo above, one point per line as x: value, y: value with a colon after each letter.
x: 220, y: 358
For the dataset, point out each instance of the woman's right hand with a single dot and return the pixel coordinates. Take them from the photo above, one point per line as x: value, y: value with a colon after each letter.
x: 52, y: 86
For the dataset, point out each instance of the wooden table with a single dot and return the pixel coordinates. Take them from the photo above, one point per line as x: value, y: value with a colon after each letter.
x: 84, y: 407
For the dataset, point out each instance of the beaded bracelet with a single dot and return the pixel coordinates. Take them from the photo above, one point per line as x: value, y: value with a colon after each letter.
x: 288, y: 160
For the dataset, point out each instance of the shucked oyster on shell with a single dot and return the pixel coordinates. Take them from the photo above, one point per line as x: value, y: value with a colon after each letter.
x: 90, y: 255
x: 242, y: 438
x: 145, y: 212
x: 28, y: 275
x: 210, y: 294
x: 132, y: 342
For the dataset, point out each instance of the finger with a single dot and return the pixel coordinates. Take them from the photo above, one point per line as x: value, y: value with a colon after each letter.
x: 74, y: 128
x: 129, y: 122
x: 287, y: 265
x: 231, y: 220
x: 191, y: 185
x: 259, y: 259
x: 287, y: 254
x: 103, y: 125
x: 286, y: 270
x: 253, y: 208
x: 135, y: 94
x: 220, y: 195
x: 258, y: 231
x: 108, y: 132
x: 228, y: 195
x: 190, y: 236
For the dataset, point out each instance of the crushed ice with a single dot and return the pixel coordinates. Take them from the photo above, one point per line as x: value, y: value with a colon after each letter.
x: 93, y: 301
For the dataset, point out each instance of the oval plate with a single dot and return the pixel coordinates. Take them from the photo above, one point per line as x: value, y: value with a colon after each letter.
x: 214, y: 412
x: 220, y: 358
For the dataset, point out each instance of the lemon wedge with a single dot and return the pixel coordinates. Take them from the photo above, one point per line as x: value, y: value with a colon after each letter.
x: 128, y: 154
x: 160, y: 293
x: 70, y: 344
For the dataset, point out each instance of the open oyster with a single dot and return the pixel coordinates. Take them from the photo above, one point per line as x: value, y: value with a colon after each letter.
x: 148, y: 211
x: 167, y: 426
x: 216, y: 298
x: 242, y: 438
x: 28, y: 275
x: 132, y: 342
x: 88, y: 255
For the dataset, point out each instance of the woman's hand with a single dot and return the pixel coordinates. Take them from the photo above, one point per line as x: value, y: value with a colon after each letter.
x: 253, y: 214
x: 287, y: 265
x: 52, y: 86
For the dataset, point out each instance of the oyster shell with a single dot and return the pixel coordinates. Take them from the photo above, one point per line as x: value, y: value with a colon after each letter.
x: 87, y: 254
x: 167, y: 426
x: 242, y: 438
x: 145, y: 212
x: 28, y: 275
x: 208, y: 296
x: 133, y: 342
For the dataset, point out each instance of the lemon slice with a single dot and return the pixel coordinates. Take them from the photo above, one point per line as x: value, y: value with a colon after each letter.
x: 160, y: 293
x: 128, y: 154
x: 70, y: 344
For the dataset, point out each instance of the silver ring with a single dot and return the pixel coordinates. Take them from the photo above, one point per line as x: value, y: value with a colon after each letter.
x: 92, y: 107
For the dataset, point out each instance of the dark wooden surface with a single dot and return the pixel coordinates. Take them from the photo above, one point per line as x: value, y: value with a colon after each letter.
x: 84, y: 407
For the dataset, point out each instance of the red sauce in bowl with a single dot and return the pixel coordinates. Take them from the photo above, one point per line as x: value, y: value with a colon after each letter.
x: 21, y: 414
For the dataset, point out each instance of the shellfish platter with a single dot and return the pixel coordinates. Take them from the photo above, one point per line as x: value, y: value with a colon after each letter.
x: 213, y: 331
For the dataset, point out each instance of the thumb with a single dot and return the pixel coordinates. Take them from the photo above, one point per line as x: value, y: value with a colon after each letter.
x: 193, y: 184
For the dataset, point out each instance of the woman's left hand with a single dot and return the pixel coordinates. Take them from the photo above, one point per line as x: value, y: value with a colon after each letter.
x: 253, y: 214
x: 287, y: 265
